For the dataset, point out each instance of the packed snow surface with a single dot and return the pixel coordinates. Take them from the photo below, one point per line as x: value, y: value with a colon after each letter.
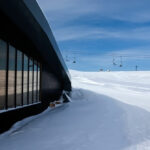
x: 109, y: 111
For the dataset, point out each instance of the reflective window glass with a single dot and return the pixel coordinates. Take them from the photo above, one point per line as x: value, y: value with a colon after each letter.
x: 11, y: 77
x: 3, y: 56
x: 30, y: 80
x: 35, y: 81
x: 19, y: 79
x: 23, y: 78
x: 25, y: 81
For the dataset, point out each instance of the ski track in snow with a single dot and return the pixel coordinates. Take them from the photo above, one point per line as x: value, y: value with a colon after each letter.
x: 109, y: 111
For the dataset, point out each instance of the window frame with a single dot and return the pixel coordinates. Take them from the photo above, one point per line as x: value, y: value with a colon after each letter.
x: 35, y: 83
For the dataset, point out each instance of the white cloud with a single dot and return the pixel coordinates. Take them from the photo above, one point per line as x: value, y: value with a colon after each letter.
x: 126, y: 10
x: 85, y: 32
x: 60, y: 12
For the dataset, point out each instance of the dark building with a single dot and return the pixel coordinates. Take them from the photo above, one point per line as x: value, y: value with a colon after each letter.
x: 32, y: 70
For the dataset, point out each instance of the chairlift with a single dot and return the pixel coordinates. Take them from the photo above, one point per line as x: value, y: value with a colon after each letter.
x: 114, y: 62
x: 74, y: 61
x: 136, y: 68
x: 121, y: 65
x: 67, y: 60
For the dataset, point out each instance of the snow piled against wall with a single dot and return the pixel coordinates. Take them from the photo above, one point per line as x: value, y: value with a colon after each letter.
x: 109, y: 111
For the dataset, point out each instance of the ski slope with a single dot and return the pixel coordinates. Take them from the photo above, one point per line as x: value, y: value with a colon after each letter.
x: 109, y: 111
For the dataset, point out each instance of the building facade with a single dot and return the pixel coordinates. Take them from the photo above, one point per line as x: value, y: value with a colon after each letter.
x: 32, y: 70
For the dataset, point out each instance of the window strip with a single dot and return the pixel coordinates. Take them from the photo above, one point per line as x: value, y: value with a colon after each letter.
x: 7, y: 66
x: 28, y: 81
x: 37, y: 82
x: 15, y: 96
x: 40, y: 79
x: 33, y: 82
x: 22, y: 78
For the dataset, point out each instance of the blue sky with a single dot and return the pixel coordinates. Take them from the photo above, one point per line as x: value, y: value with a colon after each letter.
x: 94, y: 32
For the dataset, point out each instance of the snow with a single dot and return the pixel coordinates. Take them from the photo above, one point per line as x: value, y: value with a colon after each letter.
x: 109, y: 111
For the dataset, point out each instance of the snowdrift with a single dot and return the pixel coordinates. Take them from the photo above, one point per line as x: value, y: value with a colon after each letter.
x: 109, y: 111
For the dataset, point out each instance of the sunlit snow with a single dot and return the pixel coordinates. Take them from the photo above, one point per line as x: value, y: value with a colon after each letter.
x: 109, y: 111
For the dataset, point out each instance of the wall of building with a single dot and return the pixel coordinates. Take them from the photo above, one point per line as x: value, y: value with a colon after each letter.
x: 32, y: 74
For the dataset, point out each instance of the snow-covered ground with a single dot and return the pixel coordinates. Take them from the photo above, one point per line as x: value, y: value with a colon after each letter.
x: 109, y: 111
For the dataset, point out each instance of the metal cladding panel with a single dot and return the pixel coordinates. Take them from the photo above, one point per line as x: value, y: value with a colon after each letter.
x: 27, y: 15
x: 7, y: 119
x: 38, y: 15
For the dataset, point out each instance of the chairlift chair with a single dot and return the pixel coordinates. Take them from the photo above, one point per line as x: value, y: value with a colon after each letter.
x: 121, y: 65
x: 74, y: 61
x: 114, y: 62
x: 67, y: 60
